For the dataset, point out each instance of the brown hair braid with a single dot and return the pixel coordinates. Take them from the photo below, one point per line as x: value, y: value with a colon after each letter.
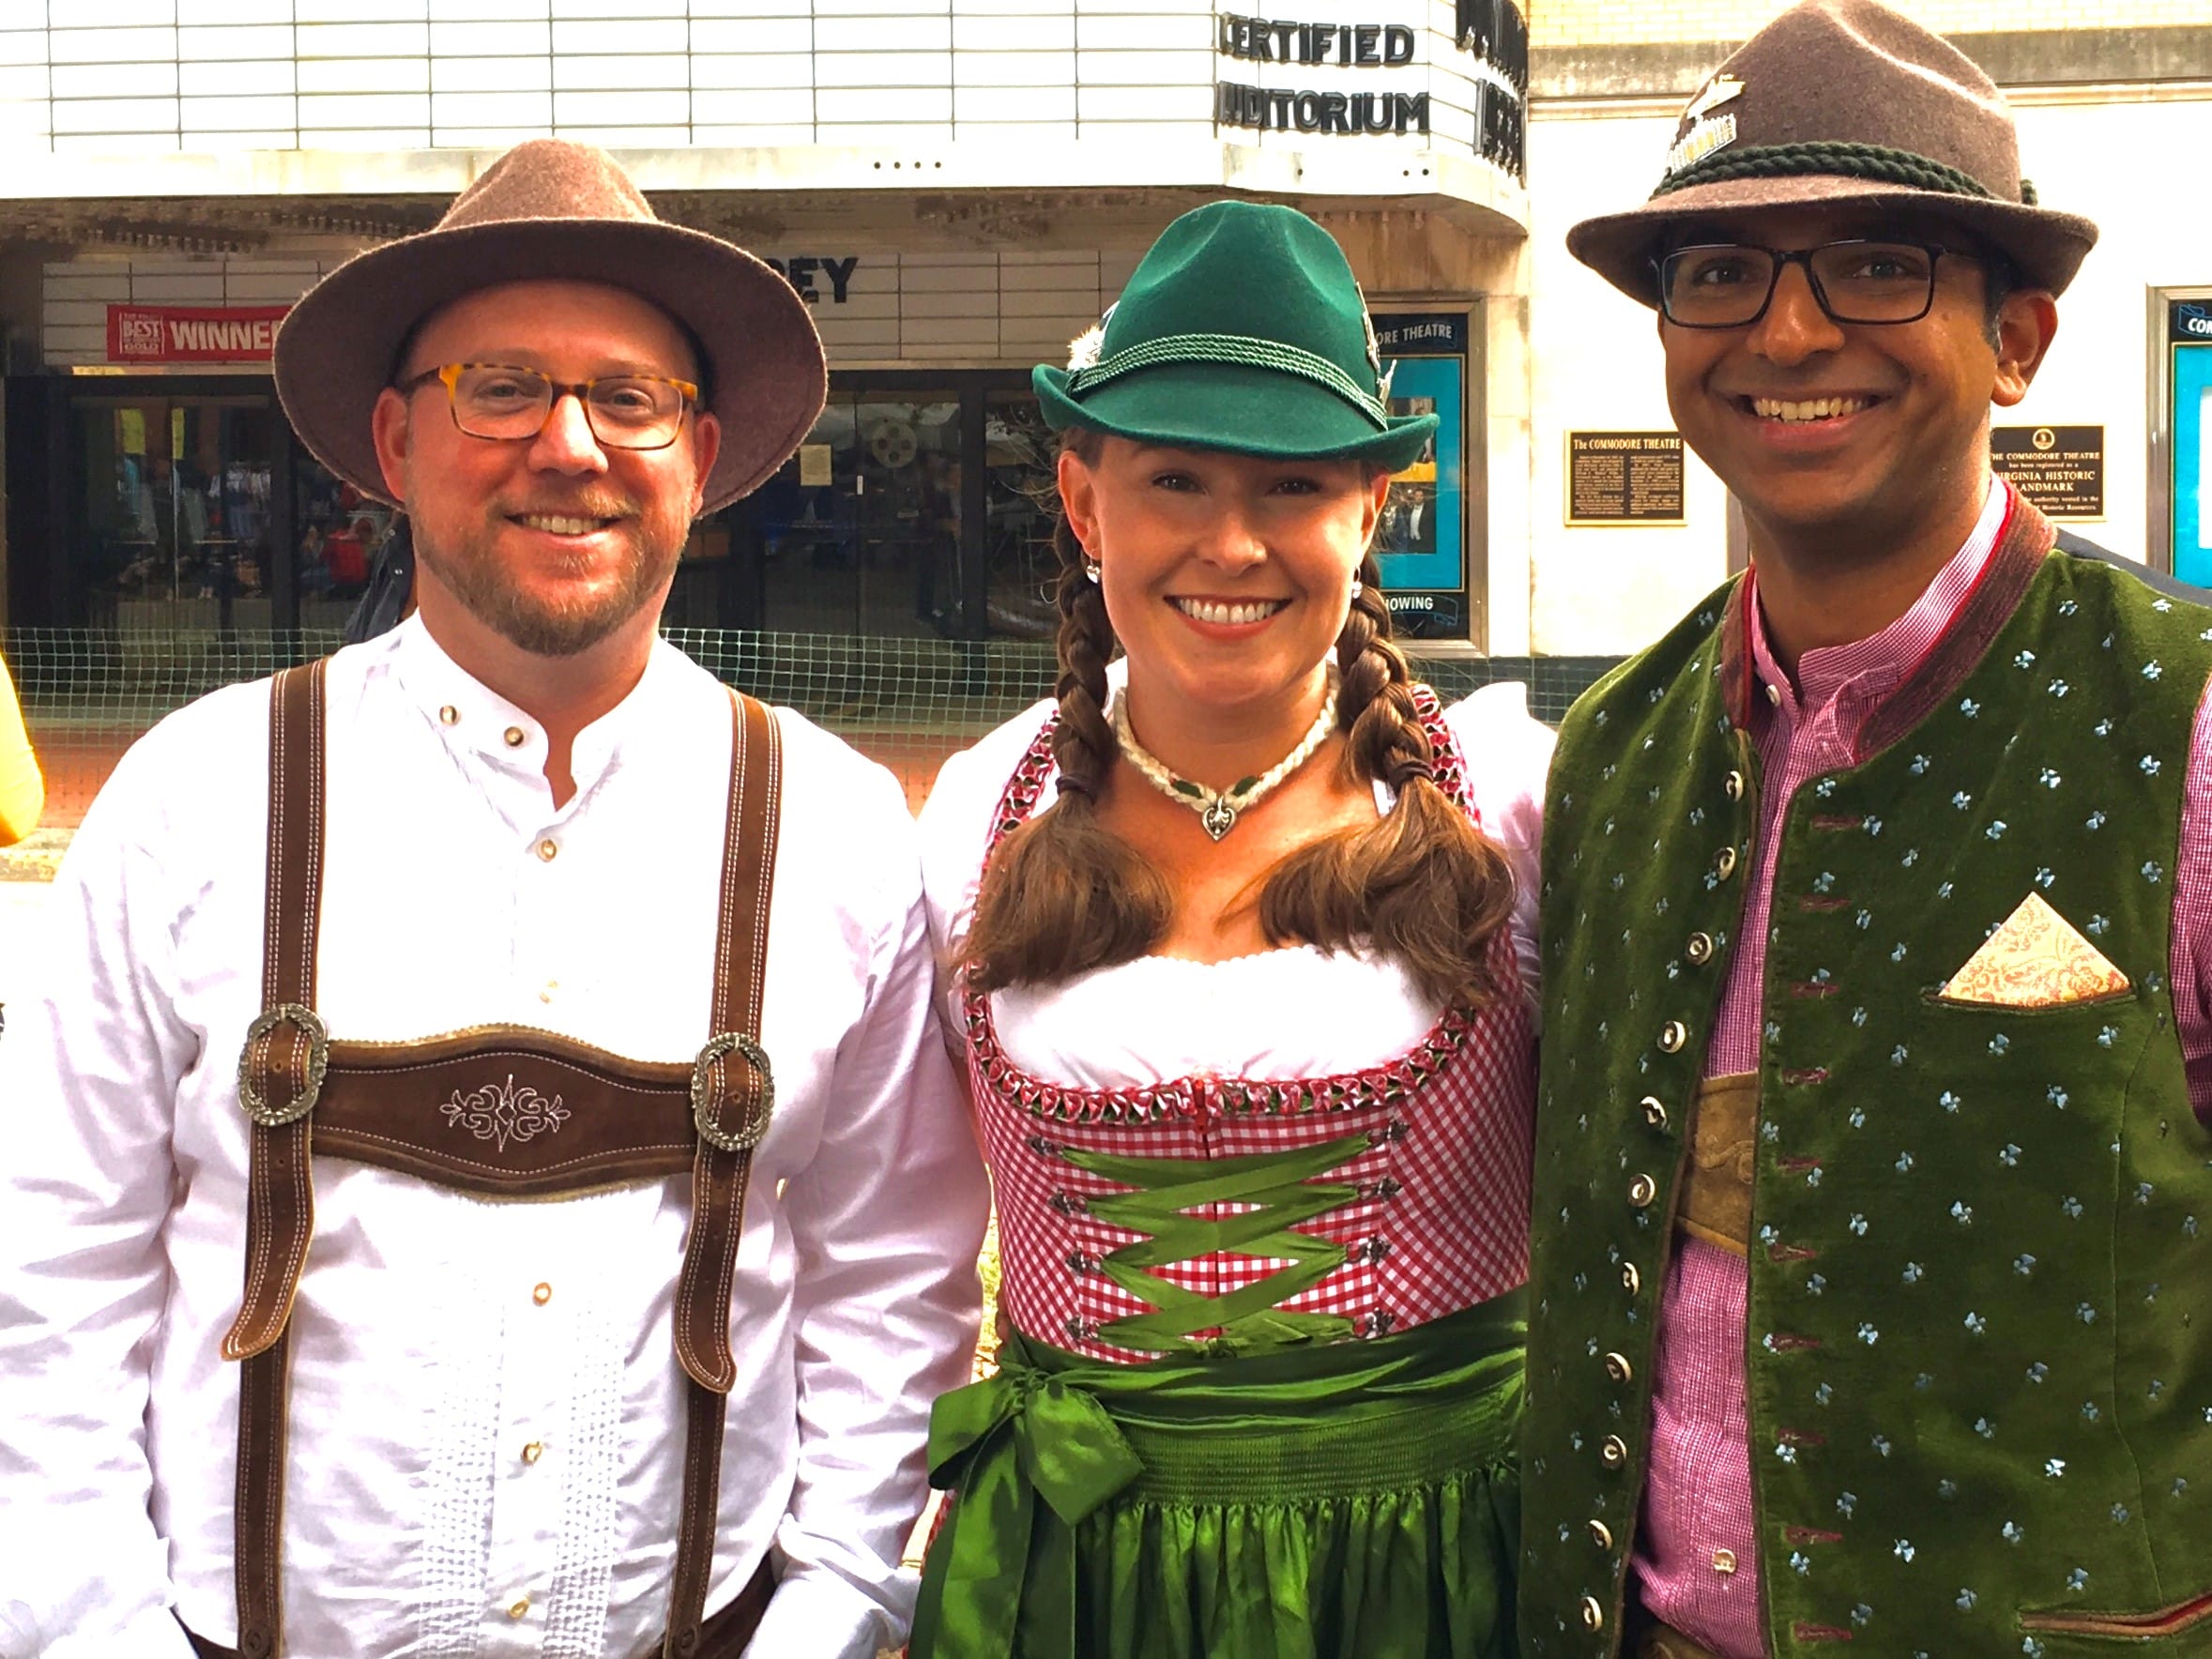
x: 1420, y: 884
x: 1064, y: 894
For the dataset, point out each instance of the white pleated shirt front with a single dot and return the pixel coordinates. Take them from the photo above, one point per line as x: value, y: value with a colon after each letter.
x: 486, y: 1414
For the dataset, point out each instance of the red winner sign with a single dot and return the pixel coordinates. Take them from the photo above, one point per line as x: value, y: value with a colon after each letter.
x: 192, y: 334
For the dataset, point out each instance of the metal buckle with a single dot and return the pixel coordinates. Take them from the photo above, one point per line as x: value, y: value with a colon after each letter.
x: 251, y: 1099
x: 755, y: 1129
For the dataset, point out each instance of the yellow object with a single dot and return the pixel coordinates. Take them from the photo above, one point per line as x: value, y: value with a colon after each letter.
x: 2035, y: 960
x: 22, y: 791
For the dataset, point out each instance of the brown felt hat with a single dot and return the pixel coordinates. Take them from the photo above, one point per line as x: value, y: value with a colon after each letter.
x: 1843, y: 103
x: 553, y: 208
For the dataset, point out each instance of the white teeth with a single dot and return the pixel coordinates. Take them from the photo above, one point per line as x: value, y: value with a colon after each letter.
x: 560, y: 526
x: 1200, y: 610
x: 1811, y: 409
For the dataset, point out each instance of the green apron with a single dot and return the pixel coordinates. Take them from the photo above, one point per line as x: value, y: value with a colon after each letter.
x: 1334, y: 1500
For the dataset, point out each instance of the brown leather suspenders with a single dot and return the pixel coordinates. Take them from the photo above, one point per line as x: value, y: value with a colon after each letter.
x: 412, y: 1107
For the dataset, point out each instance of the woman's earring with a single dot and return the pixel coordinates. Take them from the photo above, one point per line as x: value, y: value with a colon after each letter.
x: 1091, y: 567
x: 1358, y: 587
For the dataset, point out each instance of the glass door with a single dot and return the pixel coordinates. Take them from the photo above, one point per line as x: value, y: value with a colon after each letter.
x: 861, y: 530
x: 172, y: 514
x: 1020, y: 503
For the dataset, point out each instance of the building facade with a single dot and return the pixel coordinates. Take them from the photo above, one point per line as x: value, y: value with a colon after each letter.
x: 958, y: 188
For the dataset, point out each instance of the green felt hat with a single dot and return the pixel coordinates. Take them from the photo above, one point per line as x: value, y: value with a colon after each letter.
x: 1244, y: 329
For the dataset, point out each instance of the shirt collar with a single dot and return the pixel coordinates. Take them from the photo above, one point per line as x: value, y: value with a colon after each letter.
x: 475, y: 722
x: 1883, y: 660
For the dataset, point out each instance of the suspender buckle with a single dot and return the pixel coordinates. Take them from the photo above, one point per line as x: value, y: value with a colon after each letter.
x: 706, y: 1098
x: 255, y: 1065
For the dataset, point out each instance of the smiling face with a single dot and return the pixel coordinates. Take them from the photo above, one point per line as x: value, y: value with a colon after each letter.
x: 553, y: 543
x: 1226, y: 577
x: 1853, y: 434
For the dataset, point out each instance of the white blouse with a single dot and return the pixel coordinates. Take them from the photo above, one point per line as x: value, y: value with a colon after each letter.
x: 1295, y: 1012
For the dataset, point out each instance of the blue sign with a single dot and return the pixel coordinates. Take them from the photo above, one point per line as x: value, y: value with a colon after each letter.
x: 2192, y: 463
x: 1419, y: 545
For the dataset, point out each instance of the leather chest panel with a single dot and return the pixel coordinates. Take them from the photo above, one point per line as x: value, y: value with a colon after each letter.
x: 505, y: 1112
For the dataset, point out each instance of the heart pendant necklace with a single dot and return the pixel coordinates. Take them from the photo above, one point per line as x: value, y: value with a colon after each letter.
x: 1218, y: 809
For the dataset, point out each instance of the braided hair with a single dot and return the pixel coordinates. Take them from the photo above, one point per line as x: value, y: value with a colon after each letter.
x: 1064, y: 894
x: 1421, y: 884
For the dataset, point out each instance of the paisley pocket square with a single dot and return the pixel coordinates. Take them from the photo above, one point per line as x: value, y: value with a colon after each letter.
x: 2035, y: 960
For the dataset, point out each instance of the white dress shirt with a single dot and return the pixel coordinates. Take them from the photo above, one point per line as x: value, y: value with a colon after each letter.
x: 1158, y: 1017
x: 486, y: 1414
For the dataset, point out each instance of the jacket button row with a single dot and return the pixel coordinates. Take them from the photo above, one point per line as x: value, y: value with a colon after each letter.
x: 1614, y: 1452
x: 1672, y: 1035
x: 1593, y: 1614
x: 1641, y: 1191
x: 1617, y: 1368
x: 1631, y: 1281
x: 1699, y: 949
x: 1733, y: 786
x: 1655, y: 1111
x: 1601, y: 1535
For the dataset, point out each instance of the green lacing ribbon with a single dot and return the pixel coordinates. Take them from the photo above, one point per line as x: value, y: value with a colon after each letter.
x: 1281, y: 1186
x: 1873, y: 162
x: 1242, y: 349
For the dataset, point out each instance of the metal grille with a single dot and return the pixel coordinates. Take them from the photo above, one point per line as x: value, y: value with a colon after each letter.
x: 87, y: 694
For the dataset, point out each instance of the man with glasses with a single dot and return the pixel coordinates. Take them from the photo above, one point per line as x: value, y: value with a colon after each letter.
x: 1876, y: 1104
x: 481, y: 1173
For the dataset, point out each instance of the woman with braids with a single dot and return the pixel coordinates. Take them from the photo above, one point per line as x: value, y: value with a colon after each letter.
x: 1241, y: 937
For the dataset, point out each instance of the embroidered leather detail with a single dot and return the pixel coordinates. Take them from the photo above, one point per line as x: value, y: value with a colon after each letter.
x: 2034, y: 960
x: 501, y: 1112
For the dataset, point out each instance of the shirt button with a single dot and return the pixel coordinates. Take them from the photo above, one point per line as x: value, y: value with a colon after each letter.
x: 516, y: 737
x: 534, y: 1451
x: 548, y: 849
x: 520, y: 1608
x: 1774, y: 694
x: 1724, y: 1561
x: 543, y: 1295
x: 1641, y: 1191
x: 449, y: 715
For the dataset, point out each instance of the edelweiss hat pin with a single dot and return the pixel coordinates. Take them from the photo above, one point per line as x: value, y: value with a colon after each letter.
x: 1843, y: 102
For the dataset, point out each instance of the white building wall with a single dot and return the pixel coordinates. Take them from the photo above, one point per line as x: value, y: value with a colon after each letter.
x: 1596, y: 364
x: 215, y: 76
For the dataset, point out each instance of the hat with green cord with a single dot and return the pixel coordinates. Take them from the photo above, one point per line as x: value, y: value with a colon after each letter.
x: 1242, y: 328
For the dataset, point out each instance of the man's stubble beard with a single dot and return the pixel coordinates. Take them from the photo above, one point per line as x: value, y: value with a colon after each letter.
x: 485, y: 589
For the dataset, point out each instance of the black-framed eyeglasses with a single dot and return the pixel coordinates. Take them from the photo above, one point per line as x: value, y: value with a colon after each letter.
x: 1729, y: 285
x: 508, y: 403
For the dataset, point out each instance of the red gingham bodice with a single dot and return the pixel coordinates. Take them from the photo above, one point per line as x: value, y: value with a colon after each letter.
x: 1441, y: 1221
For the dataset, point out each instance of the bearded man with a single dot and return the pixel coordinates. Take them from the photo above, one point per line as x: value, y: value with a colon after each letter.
x: 607, y: 1322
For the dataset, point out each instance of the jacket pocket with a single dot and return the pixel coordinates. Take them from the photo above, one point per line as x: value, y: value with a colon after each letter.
x: 2133, y: 1627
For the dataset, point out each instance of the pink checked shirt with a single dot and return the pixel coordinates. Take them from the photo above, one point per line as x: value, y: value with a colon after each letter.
x: 1699, y: 1562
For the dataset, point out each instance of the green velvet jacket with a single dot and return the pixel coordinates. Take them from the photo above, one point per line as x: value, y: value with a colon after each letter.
x: 1979, y: 1344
